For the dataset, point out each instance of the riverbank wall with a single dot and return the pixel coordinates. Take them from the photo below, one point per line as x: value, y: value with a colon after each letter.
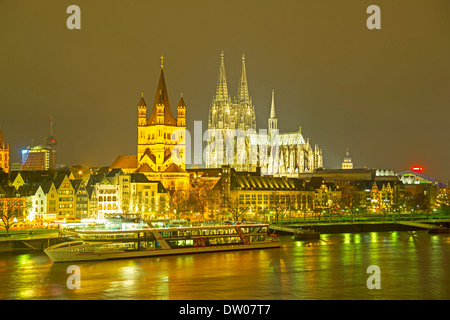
x: 32, y: 244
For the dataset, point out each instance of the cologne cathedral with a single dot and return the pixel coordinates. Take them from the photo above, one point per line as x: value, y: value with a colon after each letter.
x: 234, y: 141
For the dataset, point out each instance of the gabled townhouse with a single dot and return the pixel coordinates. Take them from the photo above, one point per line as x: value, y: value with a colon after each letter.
x: 82, y: 200
x: 52, y: 200
x: 66, y: 200
x: 103, y: 195
x: 35, y: 201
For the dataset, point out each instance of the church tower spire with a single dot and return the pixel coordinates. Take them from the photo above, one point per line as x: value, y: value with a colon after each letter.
x: 181, y: 109
x: 222, y: 88
x: 142, y: 111
x: 273, y: 121
x: 242, y: 94
x: 161, y: 113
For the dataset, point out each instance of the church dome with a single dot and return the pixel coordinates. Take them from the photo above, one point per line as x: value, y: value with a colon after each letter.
x: 347, y: 157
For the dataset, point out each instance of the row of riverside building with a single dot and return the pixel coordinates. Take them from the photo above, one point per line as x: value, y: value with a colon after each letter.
x: 47, y: 196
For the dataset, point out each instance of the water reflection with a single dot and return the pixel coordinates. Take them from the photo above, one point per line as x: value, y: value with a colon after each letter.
x: 414, y: 265
x: 23, y: 276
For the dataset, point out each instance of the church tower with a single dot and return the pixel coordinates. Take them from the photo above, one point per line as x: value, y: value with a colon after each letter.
x: 181, y: 110
x: 4, y: 154
x: 245, y: 109
x: 221, y: 111
x: 273, y: 121
x: 221, y: 118
x: 347, y: 164
x: 225, y: 115
x: 160, y: 133
x: 142, y: 112
x: 160, y: 142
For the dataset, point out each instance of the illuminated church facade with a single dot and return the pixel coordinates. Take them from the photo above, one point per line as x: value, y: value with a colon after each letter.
x: 160, y: 144
x: 275, y: 153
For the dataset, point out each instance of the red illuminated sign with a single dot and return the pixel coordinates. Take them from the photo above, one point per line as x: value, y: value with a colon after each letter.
x: 417, y: 169
x: 199, y: 242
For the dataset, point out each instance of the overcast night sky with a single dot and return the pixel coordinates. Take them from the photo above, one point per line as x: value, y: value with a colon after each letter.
x: 384, y: 94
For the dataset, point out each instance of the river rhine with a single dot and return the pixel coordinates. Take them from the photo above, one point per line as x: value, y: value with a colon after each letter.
x: 412, y: 265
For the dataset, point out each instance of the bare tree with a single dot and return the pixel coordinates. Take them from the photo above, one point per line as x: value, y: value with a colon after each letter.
x: 236, y: 209
x: 137, y: 201
x: 279, y: 206
x: 125, y: 204
x: 291, y: 205
x: 11, y: 212
x: 200, y: 195
x: 351, y: 199
x: 179, y: 203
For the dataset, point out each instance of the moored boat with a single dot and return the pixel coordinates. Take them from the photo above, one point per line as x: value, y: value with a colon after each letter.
x: 103, y: 244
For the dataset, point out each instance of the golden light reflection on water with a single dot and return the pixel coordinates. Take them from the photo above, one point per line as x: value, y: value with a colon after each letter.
x: 23, y: 276
x: 414, y: 265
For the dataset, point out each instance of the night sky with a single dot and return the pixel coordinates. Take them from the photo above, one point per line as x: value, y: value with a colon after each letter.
x: 384, y: 94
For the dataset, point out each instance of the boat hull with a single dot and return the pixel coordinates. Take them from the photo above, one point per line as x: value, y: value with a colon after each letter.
x: 66, y: 256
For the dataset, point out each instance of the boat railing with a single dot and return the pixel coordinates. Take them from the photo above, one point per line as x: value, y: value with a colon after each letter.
x: 65, y: 244
x: 207, y: 223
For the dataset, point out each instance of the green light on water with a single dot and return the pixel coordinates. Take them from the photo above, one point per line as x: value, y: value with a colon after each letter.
x: 357, y: 238
x: 394, y: 236
x: 373, y: 237
x: 23, y: 259
x: 347, y: 238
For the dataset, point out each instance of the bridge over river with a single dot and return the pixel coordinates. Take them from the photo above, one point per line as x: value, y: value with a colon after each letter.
x: 312, y: 230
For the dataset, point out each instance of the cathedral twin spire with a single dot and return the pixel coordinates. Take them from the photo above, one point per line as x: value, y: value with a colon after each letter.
x: 226, y: 113
x: 243, y: 99
x: 243, y: 96
x: 222, y: 88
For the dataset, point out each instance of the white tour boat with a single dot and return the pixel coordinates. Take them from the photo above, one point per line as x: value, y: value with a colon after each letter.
x: 132, y: 240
